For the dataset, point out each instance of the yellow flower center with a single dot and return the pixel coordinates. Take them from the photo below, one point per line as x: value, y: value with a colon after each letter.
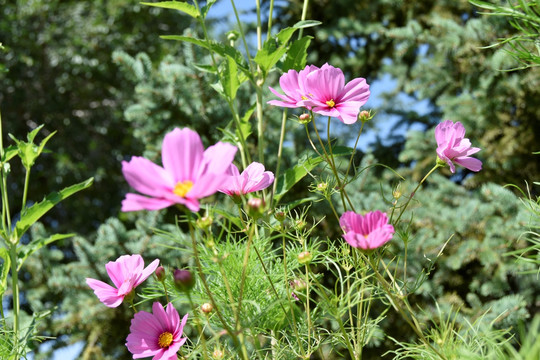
x: 182, y: 188
x: 165, y: 339
x: 304, y: 97
x: 331, y: 103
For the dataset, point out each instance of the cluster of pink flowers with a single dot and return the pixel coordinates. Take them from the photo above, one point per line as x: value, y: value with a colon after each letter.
x: 190, y: 173
x: 323, y: 91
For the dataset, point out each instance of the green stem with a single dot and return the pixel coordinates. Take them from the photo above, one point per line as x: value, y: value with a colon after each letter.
x: 198, y: 324
x: 414, y: 192
x: 25, y: 189
x: 270, y: 12
x: 15, y: 290
x: 304, y: 14
x: 6, y: 217
x: 279, y: 155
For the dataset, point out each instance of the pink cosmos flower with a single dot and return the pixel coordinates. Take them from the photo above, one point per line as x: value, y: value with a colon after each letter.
x: 126, y: 273
x: 158, y: 334
x: 453, y: 147
x: 253, y: 178
x: 368, y: 231
x: 328, y: 94
x: 293, y: 85
x: 189, y: 173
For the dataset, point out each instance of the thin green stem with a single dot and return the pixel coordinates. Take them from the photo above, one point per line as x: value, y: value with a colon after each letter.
x: 304, y: 14
x: 6, y: 217
x: 198, y: 324
x: 414, y: 192
x: 242, y: 35
x: 25, y: 189
x: 270, y: 13
x: 279, y: 155
x: 15, y: 291
x: 353, y: 152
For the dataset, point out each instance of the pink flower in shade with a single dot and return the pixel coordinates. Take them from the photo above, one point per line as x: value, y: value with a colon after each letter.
x: 368, y: 231
x: 292, y: 84
x: 330, y: 96
x: 126, y: 273
x: 253, y: 178
x: 453, y: 147
x: 189, y: 173
x: 158, y: 334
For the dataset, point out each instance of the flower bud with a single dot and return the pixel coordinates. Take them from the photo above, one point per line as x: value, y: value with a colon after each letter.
x: 280, y: 215
x: 304, y: 119
x: 218, y: 354
x: 204, y: 223
x: 322, y: 186
x: 232, y: 35
x: 364, y: 116
x: 300, y: 224
x: 160, y: 273
x: 183, y: 280
x: 298, y: 285
x: 305, y: 257
x: 255, y: 207
x: 207, y: 308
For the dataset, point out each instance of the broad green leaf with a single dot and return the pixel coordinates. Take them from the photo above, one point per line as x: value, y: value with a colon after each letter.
x: 27, y: 250
x: 205, y: 68
x: 9, y: 153
x: 297, y: 55
x: 176, y: 5
x: 229, y: 78
x: 4, y: 270
x: 32, y: 214
x: 287, y: 180
x: 207, y: 7
x: 273, y: 49
x: 221, y: 49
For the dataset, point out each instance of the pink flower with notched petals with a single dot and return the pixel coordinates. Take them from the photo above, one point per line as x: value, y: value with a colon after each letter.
x: 189, y: 173
x: 158, y: 334
x: 253, y: 178
x: 368, y: 231
x: 453, y: 147
x: 126, y: 273
x: 293, y: 85
x: 328, y: 94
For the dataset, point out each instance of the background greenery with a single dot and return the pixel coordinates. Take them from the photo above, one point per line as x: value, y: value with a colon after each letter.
x: 98, y: 74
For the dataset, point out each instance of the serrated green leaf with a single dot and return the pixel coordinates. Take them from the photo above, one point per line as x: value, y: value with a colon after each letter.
x: 36, y: 211
x: 27, y: 250
x: 9, y: 153
x: 4, y: 270
x: 32, y: 134
x: 273, y: 49
x: 297, y: 55
x: 207, y: 7
x: 221, y: 49
x: 186, y: 8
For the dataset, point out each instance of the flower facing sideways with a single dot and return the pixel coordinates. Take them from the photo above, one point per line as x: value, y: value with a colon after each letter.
x: 368, y: 231
x: 453, y: 147
x: 158, y: 334
x: 328, y: 94
x: 189, y: 173
x: 253, y: 178
x: 126, y: 273
x: 293, y: 85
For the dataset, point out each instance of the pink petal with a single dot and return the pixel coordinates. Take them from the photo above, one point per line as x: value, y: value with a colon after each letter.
x: 146, y: 177
x: 150, y: 269
x: 207, y: 185
x: 469, y: 163
x: 217, y: 159
x: 355, y: 90
x: 135, y: 202
x: 182, y: 153
x: 105, y: 293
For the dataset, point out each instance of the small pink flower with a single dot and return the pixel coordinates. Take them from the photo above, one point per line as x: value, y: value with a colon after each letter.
x: 126, y: 273
x: 328, y: 94
x: 368, y: 231
x: 189, y: 173
x: 158, y: 334
x: 292, y: 84
x: 453, y: 147
x: 253, y: 178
